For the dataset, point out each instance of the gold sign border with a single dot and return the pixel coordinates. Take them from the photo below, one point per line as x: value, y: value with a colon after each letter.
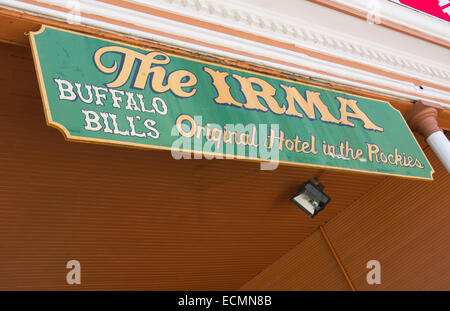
x: 81, y: 139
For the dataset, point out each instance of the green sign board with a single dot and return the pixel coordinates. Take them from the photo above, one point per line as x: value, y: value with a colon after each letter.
x: 100, y: 91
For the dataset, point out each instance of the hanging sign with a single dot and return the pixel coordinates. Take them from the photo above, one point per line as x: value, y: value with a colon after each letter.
x: 99, y: 91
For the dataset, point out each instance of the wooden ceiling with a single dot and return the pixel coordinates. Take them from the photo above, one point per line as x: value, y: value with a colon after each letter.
x: 135, y: 219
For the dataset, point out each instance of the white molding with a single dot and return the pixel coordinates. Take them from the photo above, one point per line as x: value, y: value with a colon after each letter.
x: 312, y: 39
x: 282, y: 28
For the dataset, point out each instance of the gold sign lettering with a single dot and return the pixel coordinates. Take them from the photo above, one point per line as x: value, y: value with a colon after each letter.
x: 312, y: 101
x: 293, y: 98
x: 175, y: 82
x: 356, y: 114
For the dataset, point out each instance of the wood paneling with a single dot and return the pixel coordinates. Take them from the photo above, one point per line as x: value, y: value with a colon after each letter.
x: 405, y: 226
x: 309, y: 266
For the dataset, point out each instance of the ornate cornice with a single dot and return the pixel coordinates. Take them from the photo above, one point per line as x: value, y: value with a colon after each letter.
x: 282, y: 28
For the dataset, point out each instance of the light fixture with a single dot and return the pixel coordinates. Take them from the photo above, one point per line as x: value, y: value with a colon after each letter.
x: 311, y: 197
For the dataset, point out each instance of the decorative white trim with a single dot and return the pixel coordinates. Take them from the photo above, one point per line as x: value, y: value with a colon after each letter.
x: 312, y: 38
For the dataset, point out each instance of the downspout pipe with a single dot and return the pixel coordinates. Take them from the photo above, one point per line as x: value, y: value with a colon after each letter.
x: 422, y: 118
x: 441, y: 146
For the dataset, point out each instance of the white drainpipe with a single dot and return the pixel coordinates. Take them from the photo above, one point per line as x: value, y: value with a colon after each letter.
x: 441, y: 147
